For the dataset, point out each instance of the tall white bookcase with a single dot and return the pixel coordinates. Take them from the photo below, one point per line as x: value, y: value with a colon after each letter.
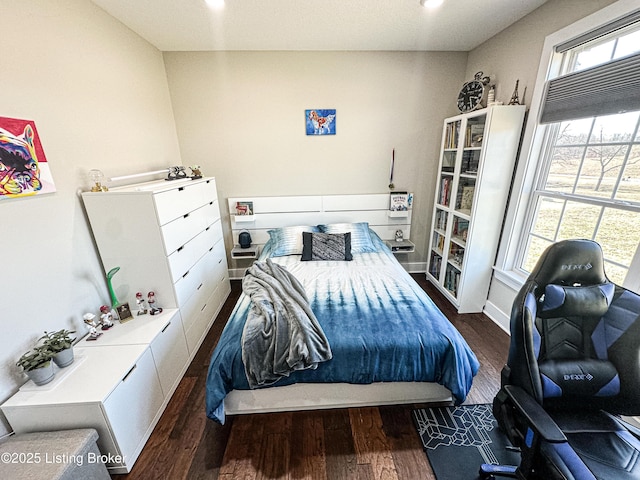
x: 477, y: 158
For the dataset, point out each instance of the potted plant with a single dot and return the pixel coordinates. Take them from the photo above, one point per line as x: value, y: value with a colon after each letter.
x: 37, y: 365
x: 60, y: 344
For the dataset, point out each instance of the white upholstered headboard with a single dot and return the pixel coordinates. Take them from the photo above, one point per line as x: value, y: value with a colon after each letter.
x: 273, y: 212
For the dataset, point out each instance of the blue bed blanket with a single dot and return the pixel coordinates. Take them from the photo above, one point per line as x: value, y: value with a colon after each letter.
x: 380, y: 324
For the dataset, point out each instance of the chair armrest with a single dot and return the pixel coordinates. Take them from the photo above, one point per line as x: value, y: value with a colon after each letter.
x: 536, y: 416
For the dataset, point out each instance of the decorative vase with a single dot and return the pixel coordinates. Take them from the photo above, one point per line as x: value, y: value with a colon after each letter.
x: 42, y: 375
x: 64, y: 358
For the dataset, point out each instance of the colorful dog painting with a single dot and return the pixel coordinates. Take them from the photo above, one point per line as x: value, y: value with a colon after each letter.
x: 23, y: 167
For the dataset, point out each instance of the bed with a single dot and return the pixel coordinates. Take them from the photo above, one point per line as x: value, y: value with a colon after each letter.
x: 390, y: 344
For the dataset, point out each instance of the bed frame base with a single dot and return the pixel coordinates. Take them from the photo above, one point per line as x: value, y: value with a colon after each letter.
x: 316, y: 396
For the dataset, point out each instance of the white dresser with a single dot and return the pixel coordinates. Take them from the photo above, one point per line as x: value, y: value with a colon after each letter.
x: 166, y: 237
x: 119, y: 384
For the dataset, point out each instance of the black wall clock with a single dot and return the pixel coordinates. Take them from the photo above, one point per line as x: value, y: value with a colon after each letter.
x: 472, y: 93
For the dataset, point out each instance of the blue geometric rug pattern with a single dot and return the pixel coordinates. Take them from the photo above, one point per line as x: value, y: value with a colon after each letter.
x: 457, y: 440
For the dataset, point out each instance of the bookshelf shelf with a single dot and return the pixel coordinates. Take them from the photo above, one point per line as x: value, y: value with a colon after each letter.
x: 477, y: 158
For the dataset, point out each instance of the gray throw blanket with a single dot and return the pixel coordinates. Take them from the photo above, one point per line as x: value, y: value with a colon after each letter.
x: 281, y: 333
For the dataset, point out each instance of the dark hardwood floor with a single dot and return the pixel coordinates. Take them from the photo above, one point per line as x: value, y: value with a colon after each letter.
x: 357, y: 443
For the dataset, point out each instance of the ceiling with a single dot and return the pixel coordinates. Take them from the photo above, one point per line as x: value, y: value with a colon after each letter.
x: 404, y: 25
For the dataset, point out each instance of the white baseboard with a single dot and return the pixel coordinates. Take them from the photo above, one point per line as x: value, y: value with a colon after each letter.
x: 498, y: 317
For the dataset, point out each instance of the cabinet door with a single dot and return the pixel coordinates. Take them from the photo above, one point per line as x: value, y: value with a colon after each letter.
x: 133, y: 405
x: 170, y: 354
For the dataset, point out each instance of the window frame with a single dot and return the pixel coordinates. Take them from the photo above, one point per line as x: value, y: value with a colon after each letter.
x: 536, y: 141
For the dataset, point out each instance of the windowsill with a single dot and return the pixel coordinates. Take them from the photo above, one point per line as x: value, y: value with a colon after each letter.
x: 510, y: 278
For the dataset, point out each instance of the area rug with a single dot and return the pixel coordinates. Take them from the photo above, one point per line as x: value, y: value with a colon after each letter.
x: 457, y: 440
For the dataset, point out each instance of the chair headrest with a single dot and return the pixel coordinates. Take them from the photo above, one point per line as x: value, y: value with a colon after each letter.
x: 570, y: 262
x: 564, y: 301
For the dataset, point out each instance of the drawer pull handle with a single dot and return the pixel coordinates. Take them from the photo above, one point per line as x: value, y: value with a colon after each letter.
x: 129, y: 372
x: 185, y: 215
x: 207, y: 229
x: 180, y: 248
x: 204, y: 306
x: 180, y: 189
x: 219, y: 261
x: 199, y: 287
x: 165, y: 327
x: 185, y: 275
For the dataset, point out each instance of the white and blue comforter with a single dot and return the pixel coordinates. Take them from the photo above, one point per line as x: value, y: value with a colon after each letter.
x: 380, y: 324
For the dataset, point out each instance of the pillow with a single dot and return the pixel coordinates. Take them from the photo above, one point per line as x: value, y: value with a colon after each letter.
x: 562, y: 300
x: 360, y: 238
x: 326, y: 246
x: 288, y: 240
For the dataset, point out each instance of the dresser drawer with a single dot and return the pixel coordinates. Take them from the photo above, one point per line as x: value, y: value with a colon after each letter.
x: 202, y: 272
x: 185, y: 257
x: 181, y: 200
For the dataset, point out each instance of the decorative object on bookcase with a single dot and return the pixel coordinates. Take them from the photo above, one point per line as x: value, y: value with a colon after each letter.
x: 514, y: 96
x: 473, y: 180
x: 473, y: 93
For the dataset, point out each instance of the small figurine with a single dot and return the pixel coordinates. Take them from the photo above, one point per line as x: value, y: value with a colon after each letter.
x: 195, y: 171
x: 153, y: 309
x: 142, y: 306
x: 89, y: 320
x: 180, y: 172
x: 106, y: 319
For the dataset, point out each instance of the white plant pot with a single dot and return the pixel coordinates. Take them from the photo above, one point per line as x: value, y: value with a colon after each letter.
x: 42, y: 375
x: 64, y: 358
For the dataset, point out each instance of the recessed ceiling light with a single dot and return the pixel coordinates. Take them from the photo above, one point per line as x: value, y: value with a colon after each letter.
x: 431, y: 3
x: 215, y: 3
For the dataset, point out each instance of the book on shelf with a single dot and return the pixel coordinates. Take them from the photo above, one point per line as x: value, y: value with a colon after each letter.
x: 445, y: 186
x: 399, y: 201
x: 244, y: 208
x: 474, y: 136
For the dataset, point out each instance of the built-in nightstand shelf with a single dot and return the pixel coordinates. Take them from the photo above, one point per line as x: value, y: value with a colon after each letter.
x: 250, y: 252
x: 405, y: 246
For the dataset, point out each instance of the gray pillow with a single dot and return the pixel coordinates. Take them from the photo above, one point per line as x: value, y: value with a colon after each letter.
x: 326, y: 246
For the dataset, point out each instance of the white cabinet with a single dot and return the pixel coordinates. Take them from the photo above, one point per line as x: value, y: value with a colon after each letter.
x: 114, y: 389
x: 476, y: 164
x: 166, y: 237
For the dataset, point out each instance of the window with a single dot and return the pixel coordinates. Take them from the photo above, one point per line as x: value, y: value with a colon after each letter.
x: 588, y: 169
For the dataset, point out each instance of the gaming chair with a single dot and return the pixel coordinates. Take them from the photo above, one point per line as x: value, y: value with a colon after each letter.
x: 573, y: 369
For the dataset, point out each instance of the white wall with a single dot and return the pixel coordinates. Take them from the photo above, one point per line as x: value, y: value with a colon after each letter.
x: 515, y: 54
x: 99, y: 97
x: 240, y: 115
